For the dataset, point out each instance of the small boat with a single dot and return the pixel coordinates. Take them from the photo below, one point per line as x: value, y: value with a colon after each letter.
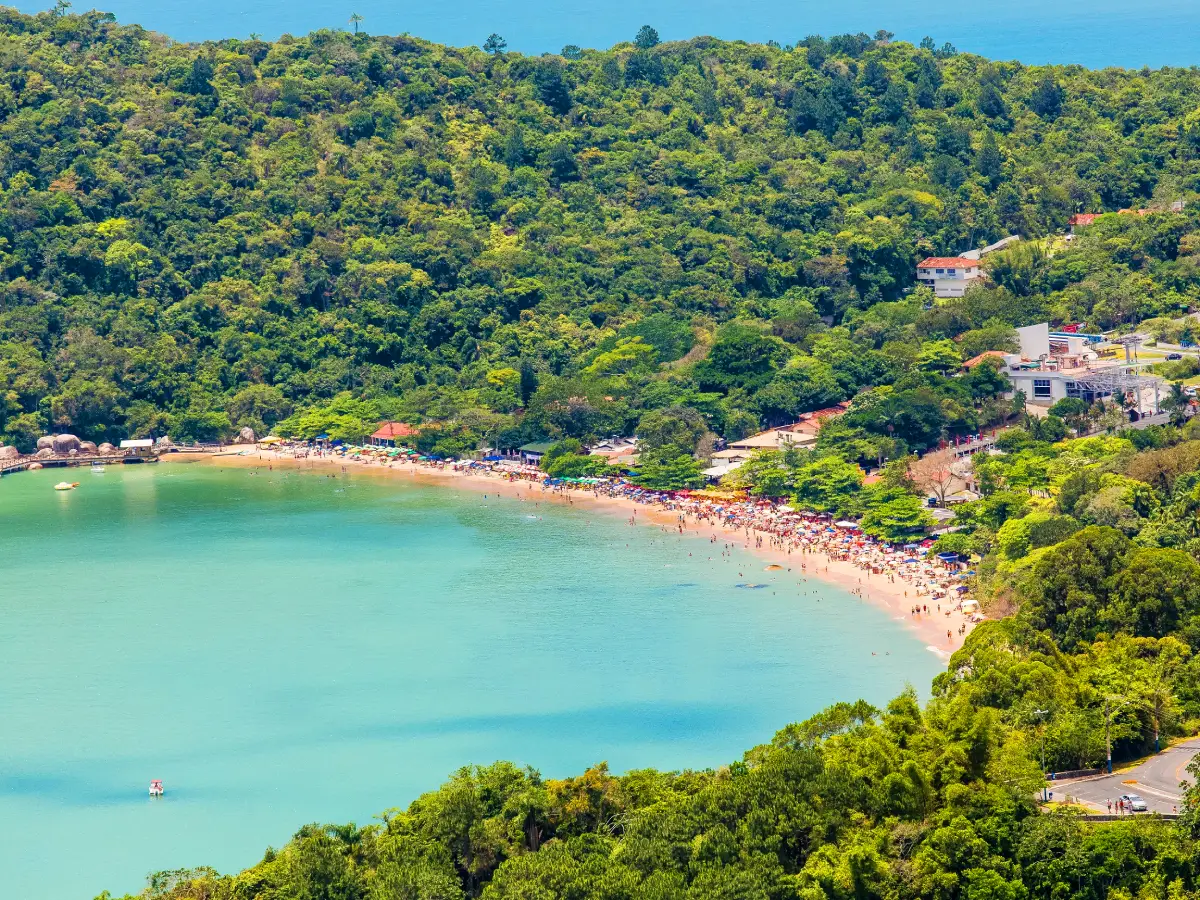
x: 66, y: 485
x: 97, y: 468
x: 156, y: 788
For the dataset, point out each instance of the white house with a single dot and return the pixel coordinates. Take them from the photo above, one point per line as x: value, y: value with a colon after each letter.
x: 948, y: 275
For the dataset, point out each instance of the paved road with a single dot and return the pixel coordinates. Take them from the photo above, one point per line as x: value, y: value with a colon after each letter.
x: 1156, y: 781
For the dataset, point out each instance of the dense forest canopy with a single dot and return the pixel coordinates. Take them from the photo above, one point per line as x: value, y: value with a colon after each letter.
x: 332, y: 229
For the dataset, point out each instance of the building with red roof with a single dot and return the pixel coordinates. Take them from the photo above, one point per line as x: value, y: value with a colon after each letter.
x: 389, y: 432
x: 986, y: 354
x: 949, y: 276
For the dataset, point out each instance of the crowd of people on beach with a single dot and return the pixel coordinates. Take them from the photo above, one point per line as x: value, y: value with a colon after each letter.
x: 936, y: 587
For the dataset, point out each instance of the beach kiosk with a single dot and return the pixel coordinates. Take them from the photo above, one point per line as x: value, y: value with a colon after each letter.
x: 139, y: 450
x: 532, y: 453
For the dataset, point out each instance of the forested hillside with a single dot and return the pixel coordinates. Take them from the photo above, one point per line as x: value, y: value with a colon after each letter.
x: 330, y: 229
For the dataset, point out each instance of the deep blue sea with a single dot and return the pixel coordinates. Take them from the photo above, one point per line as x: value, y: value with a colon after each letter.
x: 1095, y: 33
x: 282, y: 648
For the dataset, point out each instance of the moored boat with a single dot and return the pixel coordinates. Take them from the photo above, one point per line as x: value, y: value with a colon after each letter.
x: 156, y: 788
x: 66, y: 485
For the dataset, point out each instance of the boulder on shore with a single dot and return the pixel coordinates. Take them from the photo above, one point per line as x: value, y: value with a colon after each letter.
x: 9, y: 452
x: 106, y: 447
x: 46, y: 442
x: 44, y: 453
x: 87, y: 447
x: 65, y: 443
x: 245, y: 436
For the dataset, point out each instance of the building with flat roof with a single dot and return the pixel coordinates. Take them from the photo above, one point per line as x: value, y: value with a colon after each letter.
x: 533, y: 452
x: 1053, y: 366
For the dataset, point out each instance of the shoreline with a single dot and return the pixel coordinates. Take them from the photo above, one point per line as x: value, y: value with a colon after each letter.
x: 894, y: 597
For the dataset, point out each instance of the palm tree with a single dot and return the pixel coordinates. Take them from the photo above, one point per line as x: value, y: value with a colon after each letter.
x: 1176, y: 403
x: 355, y: 18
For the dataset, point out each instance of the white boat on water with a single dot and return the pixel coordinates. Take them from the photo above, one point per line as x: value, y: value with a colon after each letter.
x: 156, y: 788
x: 66, y: 485
x: 97, y: 468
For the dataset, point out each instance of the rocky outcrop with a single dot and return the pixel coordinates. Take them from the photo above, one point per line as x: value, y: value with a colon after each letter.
x: 106, y: 447
x: 65, y: 443
x: 44, y: 453
x: 87, y: 447
x: 46, y: 443
x: 245, y: 436
x: 8, y: 453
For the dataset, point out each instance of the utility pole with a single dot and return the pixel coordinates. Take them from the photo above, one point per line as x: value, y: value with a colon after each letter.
x: 1108, y: 722
x: 1107, y: 736
x: 1043, y: 712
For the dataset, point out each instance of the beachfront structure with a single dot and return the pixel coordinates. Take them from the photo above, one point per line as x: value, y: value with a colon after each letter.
x: 716, y: 472
x: 388, y: 433
x: 532, y: 453
x: 800, y: 435
x: 138, y: 447
x: 949, y: 276
x: 617, y: 451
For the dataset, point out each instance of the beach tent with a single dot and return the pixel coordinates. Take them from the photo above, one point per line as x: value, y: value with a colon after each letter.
x: 271, y: 440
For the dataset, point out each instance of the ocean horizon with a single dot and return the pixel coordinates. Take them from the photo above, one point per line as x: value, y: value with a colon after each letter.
x: 1093, y: 33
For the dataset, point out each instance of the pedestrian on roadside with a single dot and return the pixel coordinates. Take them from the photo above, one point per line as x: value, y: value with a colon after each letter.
x: 1110, y: 807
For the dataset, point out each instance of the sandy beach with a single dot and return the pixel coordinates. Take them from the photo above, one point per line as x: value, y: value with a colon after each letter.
x: 943, y: 631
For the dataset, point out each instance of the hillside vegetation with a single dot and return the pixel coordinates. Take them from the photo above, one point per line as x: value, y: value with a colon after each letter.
x: 327, y: 230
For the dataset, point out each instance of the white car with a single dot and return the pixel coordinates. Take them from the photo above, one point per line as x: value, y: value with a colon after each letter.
x: 1133, y: 803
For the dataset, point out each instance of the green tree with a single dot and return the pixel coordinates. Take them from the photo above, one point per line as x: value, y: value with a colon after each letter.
x: 897, y: 520
x: 827, y: 484
x: 668, y: 471
x: 646, y: 38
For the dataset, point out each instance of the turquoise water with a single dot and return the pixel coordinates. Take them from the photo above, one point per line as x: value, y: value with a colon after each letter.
x: 1096, y: 33
x: 282, y: 649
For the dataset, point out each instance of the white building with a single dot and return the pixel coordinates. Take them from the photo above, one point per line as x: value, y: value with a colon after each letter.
x: 949, y: 276
x: 1054, y: 365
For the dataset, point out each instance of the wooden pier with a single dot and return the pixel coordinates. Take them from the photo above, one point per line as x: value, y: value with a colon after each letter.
x: 59, y: 462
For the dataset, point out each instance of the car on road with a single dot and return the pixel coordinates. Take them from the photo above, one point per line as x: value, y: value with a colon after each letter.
x: 1174, y: 356
x: 1133, y: 803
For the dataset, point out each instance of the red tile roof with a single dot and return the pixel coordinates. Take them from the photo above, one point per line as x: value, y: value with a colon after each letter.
x: 986, y: 354
x: 390, y: 430
x: 1082, y: 219
x: 947, y: 262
